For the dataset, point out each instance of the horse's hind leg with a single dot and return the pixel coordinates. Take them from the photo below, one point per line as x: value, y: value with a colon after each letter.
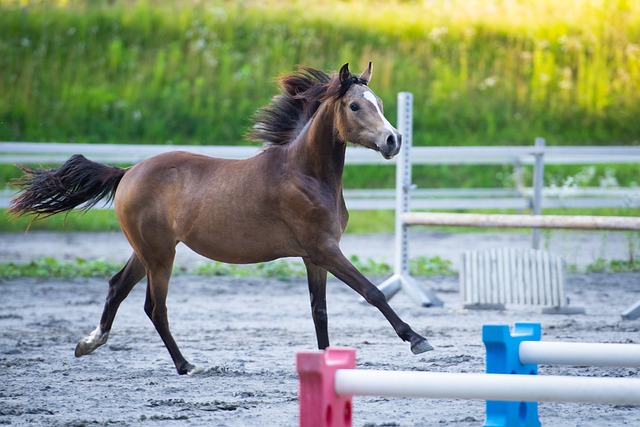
x: 155, y: 306
x: 317, y: 278
x: 119, y: 287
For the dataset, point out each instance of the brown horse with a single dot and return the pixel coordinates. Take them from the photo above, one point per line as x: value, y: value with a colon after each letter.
x: 285, y: 201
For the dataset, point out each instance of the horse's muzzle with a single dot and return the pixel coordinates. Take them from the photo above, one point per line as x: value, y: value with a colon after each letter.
x: 392, y: 145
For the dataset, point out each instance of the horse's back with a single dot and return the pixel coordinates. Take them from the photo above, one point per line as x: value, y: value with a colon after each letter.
x: 159, y: 188
x: 151, y: 184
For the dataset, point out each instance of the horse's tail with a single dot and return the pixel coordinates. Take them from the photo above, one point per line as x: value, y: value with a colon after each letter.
x: 77, y: 181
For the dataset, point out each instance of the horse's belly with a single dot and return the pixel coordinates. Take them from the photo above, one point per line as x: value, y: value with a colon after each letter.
x: 240, y: 256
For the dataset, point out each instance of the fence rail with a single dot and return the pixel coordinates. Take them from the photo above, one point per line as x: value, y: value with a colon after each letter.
x: 374, y: 199
x: 53, y: 152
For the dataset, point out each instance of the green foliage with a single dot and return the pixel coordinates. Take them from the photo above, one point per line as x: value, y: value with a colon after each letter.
x: 285, y: 269
x: 423, y: 266
x: 50, y: 267
x: 279, y: 269
x: 494, y: 72
x: 93, y: 220
x: 613, y: 266
x: 184, y: 72
x: 370, y: 266
x: 370, y: 222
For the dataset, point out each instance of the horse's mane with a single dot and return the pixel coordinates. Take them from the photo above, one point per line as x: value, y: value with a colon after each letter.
x: 302, y: 93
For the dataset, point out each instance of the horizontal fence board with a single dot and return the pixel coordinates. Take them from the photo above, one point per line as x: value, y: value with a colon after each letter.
x: 27, y: 152
x: 581, y: 222
x: 370, y: 200
x: 380, y: 199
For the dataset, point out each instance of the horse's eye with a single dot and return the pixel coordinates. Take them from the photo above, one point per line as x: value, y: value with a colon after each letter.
x: 354, y: 106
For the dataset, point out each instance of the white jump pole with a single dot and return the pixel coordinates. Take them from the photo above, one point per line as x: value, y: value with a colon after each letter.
x: 523, y: 388
x: 579, y: 354
x: 585, y: 222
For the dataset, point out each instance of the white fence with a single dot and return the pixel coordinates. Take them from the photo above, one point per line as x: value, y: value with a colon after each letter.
x: 520, y: 198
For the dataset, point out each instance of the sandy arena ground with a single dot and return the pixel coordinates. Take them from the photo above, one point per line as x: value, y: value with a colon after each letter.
x: 245, y: 333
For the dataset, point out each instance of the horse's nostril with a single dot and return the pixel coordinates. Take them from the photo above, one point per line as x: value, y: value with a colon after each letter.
x: 391, y: 141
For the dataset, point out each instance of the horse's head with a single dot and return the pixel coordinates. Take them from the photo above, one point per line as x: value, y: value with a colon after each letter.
x: 360, y: 119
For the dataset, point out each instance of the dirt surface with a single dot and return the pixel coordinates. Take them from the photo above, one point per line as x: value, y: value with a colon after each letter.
x: 244, y: 333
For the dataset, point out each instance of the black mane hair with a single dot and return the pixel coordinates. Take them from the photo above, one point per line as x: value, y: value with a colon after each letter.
x: 302, y: 93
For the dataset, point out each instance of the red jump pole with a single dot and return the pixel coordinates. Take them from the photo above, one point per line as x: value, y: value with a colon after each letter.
x: 320, y: 406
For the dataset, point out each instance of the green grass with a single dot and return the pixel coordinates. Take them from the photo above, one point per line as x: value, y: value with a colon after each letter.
x: 494, y: 72
x: 183, y: 72
x: 280, y: 269
x: 360, y: 222
x: 614, y: 266
x: 50, y: 267
x: 93, y: 220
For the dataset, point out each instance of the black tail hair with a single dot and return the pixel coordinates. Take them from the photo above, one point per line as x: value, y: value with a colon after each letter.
x: 77, y: 181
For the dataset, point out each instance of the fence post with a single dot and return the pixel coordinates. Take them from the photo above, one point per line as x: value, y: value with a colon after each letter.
x: 403, y: 181
x: 538, y: 184
x: 401, y: 278
x: 403, y: 186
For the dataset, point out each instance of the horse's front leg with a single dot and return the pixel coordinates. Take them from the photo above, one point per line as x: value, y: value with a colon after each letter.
x: 337, y: 264
x: 317, y: 278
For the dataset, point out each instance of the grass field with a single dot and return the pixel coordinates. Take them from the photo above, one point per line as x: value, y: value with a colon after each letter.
x: 193, y: 72
x: 495, y: 72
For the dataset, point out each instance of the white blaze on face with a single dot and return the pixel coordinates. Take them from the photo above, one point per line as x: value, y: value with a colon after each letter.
x: 369, y: 96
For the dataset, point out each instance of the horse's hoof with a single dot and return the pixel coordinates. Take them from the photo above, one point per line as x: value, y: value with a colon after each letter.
x: 81, y: 349
x: 187, y: 368
x: 421, y: 346
x: 87, y: 344
x: 195, y: 370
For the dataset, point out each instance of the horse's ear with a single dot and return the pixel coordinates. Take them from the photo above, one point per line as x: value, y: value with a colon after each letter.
x: 344, y: 73
x: 366, y: 74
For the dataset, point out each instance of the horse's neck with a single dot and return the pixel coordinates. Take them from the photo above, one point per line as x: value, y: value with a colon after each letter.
x: 318, y: 151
